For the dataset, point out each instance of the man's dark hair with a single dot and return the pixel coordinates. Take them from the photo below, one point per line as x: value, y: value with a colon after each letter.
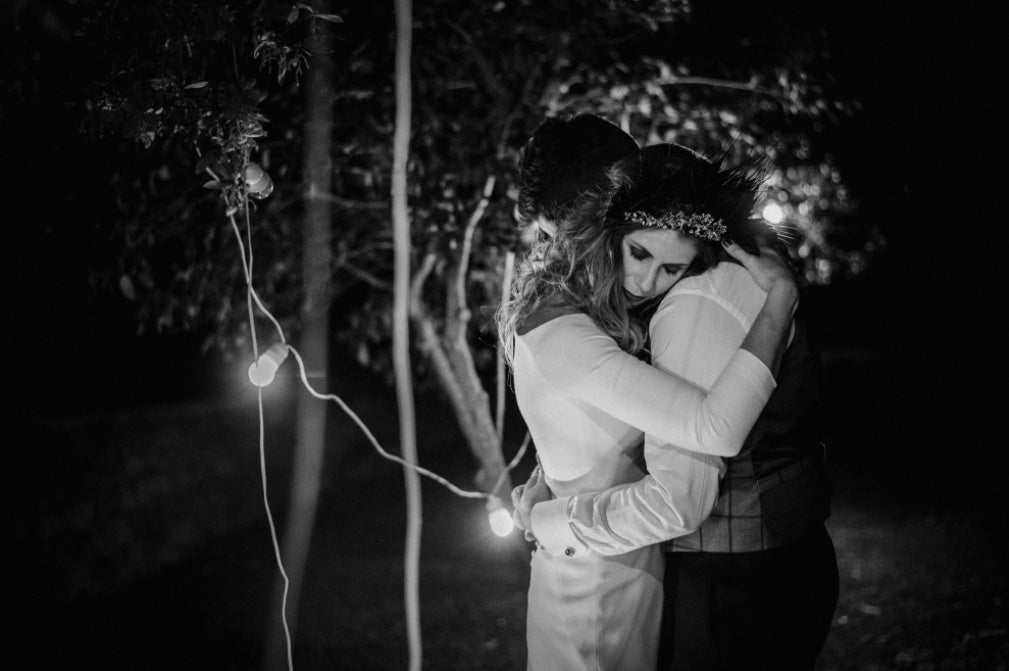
x: 565, y: 159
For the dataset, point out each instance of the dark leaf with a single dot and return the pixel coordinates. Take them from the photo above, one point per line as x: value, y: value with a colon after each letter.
x: 127, y: 288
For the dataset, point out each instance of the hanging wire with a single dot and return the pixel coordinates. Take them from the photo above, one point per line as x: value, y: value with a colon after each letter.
x: 253, y: 297
x: 343, y: 405
x: 374, y: 441
x: 250, y: 296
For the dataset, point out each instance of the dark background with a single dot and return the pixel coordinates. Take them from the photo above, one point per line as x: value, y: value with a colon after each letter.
x: 910, y: 346
x: 922, y: 157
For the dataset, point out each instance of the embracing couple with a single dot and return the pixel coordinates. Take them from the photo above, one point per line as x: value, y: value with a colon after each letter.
x: 663, y: 368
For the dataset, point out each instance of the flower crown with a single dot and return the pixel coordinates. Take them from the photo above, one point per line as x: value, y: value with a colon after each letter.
x: 701, y: 225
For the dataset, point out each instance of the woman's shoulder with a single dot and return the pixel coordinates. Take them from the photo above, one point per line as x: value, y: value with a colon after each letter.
x: 563, y: 344
x: 545, y: 312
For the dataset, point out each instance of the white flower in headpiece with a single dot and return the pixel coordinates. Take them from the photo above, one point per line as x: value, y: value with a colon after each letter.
x: 701, y: 225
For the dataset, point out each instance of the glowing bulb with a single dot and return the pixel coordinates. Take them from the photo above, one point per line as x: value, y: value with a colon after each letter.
x: 773, y: 213
x: 257, y: 181
x: 499, y: 518
x: 262, y: 372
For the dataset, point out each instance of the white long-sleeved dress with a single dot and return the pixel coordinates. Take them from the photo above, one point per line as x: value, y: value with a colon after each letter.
x: 586, y: 403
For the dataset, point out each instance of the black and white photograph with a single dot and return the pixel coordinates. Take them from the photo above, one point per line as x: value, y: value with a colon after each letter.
x: 515, y: 335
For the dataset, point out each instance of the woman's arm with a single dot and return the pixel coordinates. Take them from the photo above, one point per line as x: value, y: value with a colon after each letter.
x: 695, y: 332
x: 766, y: 339
x: 582, y: 361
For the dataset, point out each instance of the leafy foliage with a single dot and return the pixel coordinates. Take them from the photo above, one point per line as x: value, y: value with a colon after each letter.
x: 210, y: 89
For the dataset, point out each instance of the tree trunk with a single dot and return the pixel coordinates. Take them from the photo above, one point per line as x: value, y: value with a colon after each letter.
x: 452, y: 361
x: 310, y: 428
x: 401, y: 329
x: 452, y: 358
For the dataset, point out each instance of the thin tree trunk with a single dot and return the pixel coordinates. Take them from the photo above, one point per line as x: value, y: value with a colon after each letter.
x: 452, y: 358
x: 501, y: 369
x: 310, y: 428
x: 452, y: 362
x: 401, y: 326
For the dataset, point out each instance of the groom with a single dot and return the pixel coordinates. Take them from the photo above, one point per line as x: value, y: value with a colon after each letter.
x: 755, y: 584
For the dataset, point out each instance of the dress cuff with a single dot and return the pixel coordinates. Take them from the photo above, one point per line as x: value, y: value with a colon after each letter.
x: 550, y: 526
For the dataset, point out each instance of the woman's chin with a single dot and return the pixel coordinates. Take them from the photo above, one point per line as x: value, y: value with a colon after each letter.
x: 634, y: 300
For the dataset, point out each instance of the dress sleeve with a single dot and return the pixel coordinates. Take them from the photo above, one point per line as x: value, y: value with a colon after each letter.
x: 694, y: 336
x: 672, y: 500
x: 586, y: 364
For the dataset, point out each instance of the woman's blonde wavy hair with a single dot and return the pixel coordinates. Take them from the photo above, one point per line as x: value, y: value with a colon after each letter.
x: 580, y: 267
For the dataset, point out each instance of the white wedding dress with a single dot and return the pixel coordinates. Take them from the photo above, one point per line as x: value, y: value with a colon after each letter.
x: 586, y: 402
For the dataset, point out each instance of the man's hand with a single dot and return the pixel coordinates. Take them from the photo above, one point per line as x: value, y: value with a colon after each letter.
x: 524, y: 497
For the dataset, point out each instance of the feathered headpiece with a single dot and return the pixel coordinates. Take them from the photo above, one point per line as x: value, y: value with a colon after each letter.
x: 672, y: 187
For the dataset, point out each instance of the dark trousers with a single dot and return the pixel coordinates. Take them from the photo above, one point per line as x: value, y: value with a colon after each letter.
x: 753, y: 611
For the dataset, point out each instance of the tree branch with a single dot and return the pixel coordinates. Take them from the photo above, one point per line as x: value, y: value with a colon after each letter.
x: 417, y: 285
x: 490, y: 79
x: 457, y: 308
x: 672, y: 80
x: 516, y: 108
x: 346, y: 203
x: 367, y: 250
x: 467, y: 239
x: 364, y: 275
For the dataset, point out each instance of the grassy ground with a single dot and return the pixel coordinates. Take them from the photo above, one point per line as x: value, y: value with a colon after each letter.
x: 157, y: 567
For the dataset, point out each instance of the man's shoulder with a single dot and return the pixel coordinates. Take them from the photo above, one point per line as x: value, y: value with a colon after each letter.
x: 727, y: 283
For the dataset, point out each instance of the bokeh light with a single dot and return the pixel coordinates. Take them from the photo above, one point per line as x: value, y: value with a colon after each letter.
x: 499, y: 518
x: 773, y: 214
x: 263, y: 372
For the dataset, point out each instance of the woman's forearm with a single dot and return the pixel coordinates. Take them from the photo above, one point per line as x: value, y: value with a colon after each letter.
x: 768, y: 336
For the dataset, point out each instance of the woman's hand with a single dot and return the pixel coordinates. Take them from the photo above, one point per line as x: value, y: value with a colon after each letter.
x: 767, y: 338
x: 767, y: 267
x: 524, y: 497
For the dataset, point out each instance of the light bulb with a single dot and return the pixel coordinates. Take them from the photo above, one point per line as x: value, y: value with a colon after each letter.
x: 262, y: 372
x: 498, y: 517
x: 773, y: 214
x: 257, y: 181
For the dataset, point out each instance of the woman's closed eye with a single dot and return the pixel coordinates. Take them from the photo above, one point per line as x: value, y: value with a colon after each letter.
x: 640, y: 254
x: 673, y: 269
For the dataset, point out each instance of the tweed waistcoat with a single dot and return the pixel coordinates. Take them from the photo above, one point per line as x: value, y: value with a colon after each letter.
x: 776, y: 488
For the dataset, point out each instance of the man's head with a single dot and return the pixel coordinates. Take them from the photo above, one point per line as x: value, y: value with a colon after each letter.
x: 563, y: 160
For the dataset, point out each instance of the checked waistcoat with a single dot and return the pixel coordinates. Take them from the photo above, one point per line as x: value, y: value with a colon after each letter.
x: 776, y: 488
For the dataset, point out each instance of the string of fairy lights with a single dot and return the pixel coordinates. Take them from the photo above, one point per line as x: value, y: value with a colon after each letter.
x: 264, y: 368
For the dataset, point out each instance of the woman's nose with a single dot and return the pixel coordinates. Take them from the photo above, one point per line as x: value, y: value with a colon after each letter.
x: 646, y: 282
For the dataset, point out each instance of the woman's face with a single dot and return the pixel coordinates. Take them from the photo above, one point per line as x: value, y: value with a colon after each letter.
x: 654, y: 260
